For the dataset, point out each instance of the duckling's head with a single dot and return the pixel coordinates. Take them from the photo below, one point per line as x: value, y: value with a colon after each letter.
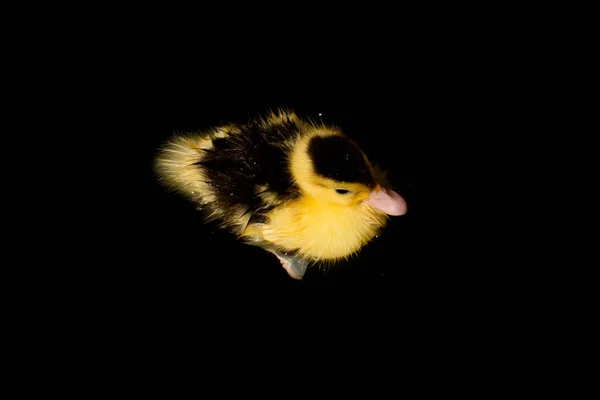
x: 331, y: 168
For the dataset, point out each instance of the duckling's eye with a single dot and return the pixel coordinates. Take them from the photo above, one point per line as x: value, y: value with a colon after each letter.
x: 342, y: 191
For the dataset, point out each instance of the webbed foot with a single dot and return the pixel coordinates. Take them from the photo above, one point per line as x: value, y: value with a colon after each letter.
x: 295, y: 267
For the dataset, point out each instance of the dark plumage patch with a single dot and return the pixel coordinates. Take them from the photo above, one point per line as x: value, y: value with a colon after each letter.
x: 240, y: 162
x: 259, y: 219
x: 339, y: 158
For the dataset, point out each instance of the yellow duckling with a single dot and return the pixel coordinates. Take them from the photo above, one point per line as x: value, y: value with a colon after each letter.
x: 302, y: 191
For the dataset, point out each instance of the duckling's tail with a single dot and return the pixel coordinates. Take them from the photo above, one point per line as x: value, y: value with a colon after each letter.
x: 176, y: 166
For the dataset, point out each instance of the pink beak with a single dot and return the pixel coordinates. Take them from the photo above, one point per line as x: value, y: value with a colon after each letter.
x: 387, y: 201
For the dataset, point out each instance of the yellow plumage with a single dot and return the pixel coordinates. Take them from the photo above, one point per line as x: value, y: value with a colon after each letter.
x: 319, y: 231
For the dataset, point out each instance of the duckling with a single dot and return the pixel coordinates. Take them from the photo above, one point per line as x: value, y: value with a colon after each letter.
x: 301, y: 190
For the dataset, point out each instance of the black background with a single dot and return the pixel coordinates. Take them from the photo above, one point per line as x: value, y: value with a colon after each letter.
x: 148, y: 255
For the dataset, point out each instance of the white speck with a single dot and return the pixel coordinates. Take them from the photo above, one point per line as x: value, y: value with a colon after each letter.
x: 231, y: 194
x: 199, y: 208
x: 193, y: 192
x: 320, y: 114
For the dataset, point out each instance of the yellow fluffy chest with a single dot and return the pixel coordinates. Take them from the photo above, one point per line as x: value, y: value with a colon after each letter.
x: 322, y: 231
